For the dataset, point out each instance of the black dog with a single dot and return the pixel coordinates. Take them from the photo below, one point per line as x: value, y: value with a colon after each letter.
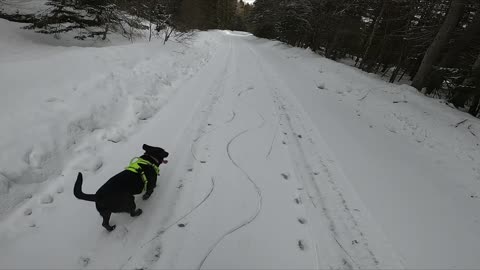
x: 116, y: 195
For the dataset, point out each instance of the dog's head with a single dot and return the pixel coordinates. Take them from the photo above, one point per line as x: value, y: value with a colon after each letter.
x: 156, y: 152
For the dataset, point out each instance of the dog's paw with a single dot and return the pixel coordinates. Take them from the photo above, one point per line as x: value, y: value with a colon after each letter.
x: 111, y: 228
x: 146, y: 196
x: 137, y: 213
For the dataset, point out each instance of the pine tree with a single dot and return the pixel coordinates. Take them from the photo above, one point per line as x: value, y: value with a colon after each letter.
x: 294, y: 21
x: 91, y: 17
x: 441, y: 39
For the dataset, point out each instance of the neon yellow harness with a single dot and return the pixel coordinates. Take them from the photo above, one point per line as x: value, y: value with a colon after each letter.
x: 135, y: 167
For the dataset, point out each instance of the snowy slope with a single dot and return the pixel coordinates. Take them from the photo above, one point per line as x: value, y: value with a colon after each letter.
x: 54, y: 97
x: 280, y: 159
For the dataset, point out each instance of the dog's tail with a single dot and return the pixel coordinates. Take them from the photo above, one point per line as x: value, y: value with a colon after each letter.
x: 77, y: 190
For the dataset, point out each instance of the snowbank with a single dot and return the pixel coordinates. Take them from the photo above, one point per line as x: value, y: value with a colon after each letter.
x: 56, y: 97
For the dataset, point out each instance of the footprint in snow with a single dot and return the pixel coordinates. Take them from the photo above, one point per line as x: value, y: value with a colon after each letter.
x: 113, y: 135
x: 60, y: 190
x: 47, y: 199
x: 84, y: 261
x: 27, y: 212
x: 89, y: 163
x: 298, y: 201
x: 156, y: 254
x: 301, y: 245
x: 302, y: 220
x: 53, y: 99
x: 4, y: 184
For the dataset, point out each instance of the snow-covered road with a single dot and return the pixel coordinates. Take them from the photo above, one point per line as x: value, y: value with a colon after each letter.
x: 277, y: 162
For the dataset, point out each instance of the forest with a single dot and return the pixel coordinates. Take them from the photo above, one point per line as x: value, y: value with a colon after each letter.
x: 432, y: 43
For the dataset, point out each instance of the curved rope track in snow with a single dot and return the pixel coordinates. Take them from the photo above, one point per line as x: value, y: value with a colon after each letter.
x: 249, y: 178
x: 184, y: 216
x: 231, y: 119
x: 176, y: 221
x: 195, y: 141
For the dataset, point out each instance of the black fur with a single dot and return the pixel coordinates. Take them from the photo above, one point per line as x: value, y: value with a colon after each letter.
x: 117, y: 194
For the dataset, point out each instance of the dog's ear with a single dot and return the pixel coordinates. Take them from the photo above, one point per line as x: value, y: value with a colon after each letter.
x: 147, y: 148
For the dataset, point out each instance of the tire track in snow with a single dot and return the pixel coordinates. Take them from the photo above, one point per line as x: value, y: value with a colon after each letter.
x: 340, y: 198
x: 333, y: 222
x: 209, y: 109
x: 267, y: 156
x: 307, y: 168
x: 250, y: 179
x: 307, y: 173
x: 217, y: 92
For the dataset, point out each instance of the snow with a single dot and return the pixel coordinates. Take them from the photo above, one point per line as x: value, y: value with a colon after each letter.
x: 279, y: 159
x: 23, y: 6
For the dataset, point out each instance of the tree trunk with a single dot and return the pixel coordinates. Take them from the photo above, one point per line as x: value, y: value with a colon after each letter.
x: 469, y: 87
x: 372, y: 34
x: 401, y: 76
x: 454, y: 14
x: 474, y: 107
x: 329, y: 53
x: 462, y: 43
x: 150, y: 28
x: 398, y: 66
x: 106, y: 32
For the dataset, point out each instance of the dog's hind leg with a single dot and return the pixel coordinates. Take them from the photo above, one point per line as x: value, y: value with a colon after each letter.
x: 106, y: 220
x: 132, y: 207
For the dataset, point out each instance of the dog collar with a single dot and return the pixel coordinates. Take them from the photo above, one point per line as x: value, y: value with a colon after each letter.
x: 154, y: 159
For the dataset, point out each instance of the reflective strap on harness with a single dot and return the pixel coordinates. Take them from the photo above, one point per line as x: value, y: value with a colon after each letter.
x: 135, y: 167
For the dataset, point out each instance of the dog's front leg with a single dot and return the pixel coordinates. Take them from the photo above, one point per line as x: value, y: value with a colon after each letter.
x: 150, y: 187
x: 147, y: 194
